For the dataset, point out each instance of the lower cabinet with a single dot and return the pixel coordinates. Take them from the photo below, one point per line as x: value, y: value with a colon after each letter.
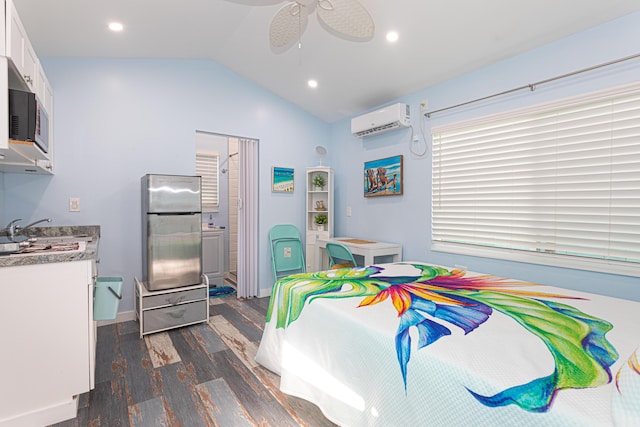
x: 170, y: 308
x: 213, y: 253
x: 48, y: 341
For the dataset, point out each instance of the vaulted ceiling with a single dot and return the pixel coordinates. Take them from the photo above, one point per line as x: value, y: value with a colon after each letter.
x: 438, y: 40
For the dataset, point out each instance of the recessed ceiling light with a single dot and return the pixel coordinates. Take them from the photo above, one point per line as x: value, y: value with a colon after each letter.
x: 312, y: 83
x: 392, y: 36
x: 116, y: 26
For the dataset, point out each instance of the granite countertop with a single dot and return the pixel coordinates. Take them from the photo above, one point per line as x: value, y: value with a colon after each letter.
x: 86, y: 233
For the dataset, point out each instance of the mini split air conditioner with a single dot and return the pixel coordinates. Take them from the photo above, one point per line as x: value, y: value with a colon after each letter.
x: 382, y: 120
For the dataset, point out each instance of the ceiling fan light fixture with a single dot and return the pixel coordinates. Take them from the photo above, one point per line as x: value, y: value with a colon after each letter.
x: 344, y: 17
x: 288, y: 24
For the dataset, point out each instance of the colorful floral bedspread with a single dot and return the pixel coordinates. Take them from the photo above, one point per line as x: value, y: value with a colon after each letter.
x: 414, y: 344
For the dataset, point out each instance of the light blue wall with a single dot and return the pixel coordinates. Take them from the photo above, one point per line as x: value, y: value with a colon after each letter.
x: 116, y: 120
x: 406, y: 219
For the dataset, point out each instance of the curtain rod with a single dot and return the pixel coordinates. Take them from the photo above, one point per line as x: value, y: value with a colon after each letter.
x: 532, y: 86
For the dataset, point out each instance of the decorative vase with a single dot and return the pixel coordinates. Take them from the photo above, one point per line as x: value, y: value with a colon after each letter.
x: 320, y: 227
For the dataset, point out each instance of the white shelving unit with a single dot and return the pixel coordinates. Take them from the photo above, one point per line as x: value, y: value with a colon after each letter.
x: 158, y: 311
x: 317, y: 198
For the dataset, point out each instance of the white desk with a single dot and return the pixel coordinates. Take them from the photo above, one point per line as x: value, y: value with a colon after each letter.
x: 369, y: 250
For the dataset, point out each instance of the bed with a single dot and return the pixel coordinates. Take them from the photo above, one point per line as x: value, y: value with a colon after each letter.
x: 414, y: 344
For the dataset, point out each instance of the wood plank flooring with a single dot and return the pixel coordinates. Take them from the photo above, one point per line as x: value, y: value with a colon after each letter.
x: 200, y: 375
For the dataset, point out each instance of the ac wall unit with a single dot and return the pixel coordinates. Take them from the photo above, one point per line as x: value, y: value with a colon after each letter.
x: 385, y: 119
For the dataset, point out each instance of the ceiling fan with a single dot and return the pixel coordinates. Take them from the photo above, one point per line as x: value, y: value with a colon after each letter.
x: 346, y: 18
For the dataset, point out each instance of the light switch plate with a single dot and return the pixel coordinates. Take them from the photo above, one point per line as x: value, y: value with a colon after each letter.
x: 74, y: 204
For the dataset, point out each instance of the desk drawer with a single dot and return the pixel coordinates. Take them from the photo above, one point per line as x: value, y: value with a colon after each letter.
x: 177, y: 315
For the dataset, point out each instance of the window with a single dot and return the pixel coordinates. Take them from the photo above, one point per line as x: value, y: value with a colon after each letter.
x: 207, y: 168
x: 557, y: 184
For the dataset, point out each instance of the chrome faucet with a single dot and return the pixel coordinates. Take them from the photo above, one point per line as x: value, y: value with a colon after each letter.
x: 14, y: 229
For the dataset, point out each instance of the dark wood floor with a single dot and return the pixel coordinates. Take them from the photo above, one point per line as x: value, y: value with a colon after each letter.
x: 200, y: 375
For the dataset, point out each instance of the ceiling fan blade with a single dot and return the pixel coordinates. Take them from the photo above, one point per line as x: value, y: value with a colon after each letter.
x: 288, y: 24
x: 346, y: 17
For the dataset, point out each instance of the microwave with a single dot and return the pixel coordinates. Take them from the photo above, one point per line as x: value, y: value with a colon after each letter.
x: 28, y: 120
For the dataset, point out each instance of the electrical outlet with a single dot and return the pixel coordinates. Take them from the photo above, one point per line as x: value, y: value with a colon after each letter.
x: 348, y: 210
x: 74, y: 204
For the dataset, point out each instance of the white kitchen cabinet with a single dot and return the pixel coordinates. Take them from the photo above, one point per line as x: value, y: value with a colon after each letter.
x: 19, y: 49
x: 319, y: 201
x: 21, y: 70
x: 213, y: 256
x: 48, y: 341
x: 45, y: 93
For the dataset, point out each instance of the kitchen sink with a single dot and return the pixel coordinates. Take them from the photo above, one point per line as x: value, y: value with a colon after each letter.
x: 63, y: 239
x: 49, y: 247
x: 42, y: 245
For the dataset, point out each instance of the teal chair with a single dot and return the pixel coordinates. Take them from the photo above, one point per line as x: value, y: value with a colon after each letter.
x: 339, y: 256
x: 287, y: 254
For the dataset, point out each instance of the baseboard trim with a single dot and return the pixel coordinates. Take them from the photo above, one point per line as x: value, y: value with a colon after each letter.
x: 44, y: 416
x: 123, y: 316
x: 264, y: 293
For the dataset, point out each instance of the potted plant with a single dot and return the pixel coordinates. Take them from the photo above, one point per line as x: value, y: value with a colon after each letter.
x: 320, y: 220
x: 319, y: 181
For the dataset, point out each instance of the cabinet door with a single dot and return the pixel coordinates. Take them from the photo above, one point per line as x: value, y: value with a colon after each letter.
x: 30, y: 66
x: 213, y: 253
x: 19, y: 48
x: 15, y: 37
x: 47, y: 325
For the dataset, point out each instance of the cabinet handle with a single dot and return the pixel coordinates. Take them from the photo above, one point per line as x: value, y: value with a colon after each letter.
x: 177, y: 314
x: 175, y: 301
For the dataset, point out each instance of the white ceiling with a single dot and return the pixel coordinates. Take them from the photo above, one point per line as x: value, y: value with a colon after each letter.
x: 438, y: 40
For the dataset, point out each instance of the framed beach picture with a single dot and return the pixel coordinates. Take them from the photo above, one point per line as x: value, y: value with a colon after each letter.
x: 281, y: 180
x: 383, y: 177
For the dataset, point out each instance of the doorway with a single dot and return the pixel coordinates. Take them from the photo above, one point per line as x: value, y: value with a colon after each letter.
x: 237, y: 209
x: 230, y: 171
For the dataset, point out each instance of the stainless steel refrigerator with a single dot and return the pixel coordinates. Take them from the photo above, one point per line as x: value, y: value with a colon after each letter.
x: 171, y: 231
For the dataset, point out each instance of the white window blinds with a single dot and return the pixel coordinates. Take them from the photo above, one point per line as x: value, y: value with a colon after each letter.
x: 561, y: 180
x: 207, y: 168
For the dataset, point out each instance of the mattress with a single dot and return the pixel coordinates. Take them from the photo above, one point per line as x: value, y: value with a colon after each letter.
x: 416, y: 344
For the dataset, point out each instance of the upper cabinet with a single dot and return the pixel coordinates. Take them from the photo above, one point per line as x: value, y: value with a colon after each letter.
x: 19, y: 49
x: 20, y: 69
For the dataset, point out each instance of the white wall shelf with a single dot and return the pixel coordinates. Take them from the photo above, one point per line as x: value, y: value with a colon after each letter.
x: 316, y: 199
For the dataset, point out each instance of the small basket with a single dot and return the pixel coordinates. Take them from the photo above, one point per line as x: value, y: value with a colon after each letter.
x: 106, y: 297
